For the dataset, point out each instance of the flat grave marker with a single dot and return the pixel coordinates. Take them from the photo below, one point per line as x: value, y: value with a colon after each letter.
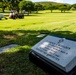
x: 41, y: 35
x: 3, y: 49
x: 60, y: 52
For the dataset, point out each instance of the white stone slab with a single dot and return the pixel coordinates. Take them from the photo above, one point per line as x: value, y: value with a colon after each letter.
x: 3, y: 49
x: 59, y: 51
x: 41, y: 35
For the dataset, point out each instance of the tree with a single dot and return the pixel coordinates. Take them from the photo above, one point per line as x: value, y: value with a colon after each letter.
x: 27, y: 6
x: 74, y: 6
x: 13, y: 4
x: 52, y: 7
x: 3, y: 4
x: 64, y: 7
x: 38, y: 7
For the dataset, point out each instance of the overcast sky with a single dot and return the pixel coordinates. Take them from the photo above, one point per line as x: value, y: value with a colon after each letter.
x: 59, y: 1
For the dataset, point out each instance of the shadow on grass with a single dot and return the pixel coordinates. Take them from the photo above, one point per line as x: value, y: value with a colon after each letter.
x: 16, y: 61
x: 21, y: 37
x: 60, y: 12
x: 65, y: 34
x: 38, y: 13
x: 33, y: 14
x: 4, y: 12
x: 30, y: 15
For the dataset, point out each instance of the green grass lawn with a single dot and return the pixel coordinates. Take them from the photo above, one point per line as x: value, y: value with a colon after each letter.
x: 24, y: 31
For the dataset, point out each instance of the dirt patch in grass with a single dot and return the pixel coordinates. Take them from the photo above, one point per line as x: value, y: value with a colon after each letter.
x: 9, y: 36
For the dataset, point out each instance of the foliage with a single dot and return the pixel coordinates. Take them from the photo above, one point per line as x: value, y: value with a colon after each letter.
x: 47, y: 5
x: 13, y: 4
x: 74, y: 6
x: 52, y: 7
x: 38, y: 7
x: 3, y: 4
x: 64, y: 7
x: 27, y: 6
x: 31, y: 6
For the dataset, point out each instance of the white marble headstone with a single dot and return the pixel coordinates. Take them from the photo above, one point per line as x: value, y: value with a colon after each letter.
x: 58, y: 51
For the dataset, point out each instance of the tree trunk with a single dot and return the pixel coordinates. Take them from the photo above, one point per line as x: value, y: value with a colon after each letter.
x: 37, y: 12
x: 61, y: 11
x: 3, y: 10
x: 28, y: 13
x: 21, y: 11
x: 51, y: 11
x: 64, y: 11
x: 18, y: 11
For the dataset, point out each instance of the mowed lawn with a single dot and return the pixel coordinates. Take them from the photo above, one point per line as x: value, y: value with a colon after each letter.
x: 24, y: 31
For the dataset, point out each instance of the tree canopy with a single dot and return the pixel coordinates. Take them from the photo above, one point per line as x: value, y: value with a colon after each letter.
x: 74, y: 6
x: 27, y: 6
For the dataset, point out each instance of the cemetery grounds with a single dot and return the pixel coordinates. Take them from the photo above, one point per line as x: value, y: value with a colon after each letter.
x: 23, y: 32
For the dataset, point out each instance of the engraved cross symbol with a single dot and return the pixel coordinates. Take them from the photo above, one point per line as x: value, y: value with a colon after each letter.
x: 61, y: 40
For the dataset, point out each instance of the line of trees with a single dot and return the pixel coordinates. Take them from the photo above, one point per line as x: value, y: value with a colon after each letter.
x: 10, y: 4
x: 29, y: 6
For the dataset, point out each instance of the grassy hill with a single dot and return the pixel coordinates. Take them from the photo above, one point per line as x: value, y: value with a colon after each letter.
x: 48, y: 2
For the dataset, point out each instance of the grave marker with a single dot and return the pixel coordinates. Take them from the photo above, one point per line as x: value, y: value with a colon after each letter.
x: 3, y: 49
x: 58, y: 51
